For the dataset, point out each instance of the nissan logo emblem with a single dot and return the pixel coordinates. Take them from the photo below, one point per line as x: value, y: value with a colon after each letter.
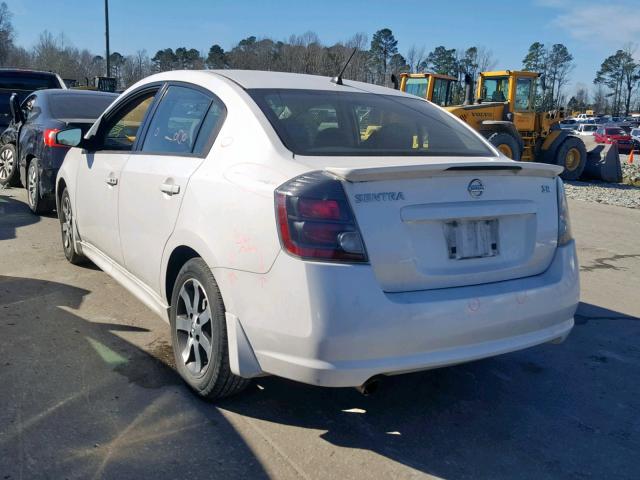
x: 475, y: 188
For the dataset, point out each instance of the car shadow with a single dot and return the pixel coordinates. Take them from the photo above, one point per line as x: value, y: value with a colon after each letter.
x: 13, y: 214
x: 79, y: 401
x: 554, y: 411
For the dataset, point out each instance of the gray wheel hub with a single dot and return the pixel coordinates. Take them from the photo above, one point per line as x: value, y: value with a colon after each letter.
x: 67, y: 225
x: 6, y: 163
x: 32, y: 184
x: 194, y: 328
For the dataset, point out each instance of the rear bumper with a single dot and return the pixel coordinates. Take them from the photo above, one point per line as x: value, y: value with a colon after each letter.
x: 334, y: 326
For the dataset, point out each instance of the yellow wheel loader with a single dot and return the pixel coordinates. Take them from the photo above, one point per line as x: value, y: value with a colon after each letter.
x: 505, y: 114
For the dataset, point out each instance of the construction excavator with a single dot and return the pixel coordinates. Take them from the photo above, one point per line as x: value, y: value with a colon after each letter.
x: 504, y: 113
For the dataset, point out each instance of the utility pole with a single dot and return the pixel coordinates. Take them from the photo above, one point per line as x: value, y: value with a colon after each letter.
x: 106, y: 22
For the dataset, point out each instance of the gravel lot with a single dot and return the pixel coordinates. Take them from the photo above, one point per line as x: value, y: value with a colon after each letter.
x: 607, y: 193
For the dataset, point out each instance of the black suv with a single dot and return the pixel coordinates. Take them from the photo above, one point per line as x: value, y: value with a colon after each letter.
x: 22, y: 83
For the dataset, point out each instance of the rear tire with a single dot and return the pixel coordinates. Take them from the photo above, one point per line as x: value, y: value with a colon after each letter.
x: 67, y: 228
x: 37, y: 203
x: 199, y: 333
x: 8, y: 166
x: 506, y: 144
x: 572, y: 155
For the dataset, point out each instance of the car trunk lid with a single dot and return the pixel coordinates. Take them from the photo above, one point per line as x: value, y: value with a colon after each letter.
x: 453, y: 222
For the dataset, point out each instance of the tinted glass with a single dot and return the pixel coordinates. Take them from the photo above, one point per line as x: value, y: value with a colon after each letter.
x: 122, y: 129
x: 615, y: 131
x: 176, y: 123
x: 211, y: 126
x: 78, y: 106
x: 313, y: 122
x: 523, y: 95
x: 440, y: 92
x: 417, y: 87
x: 495, y: 89
x: 27, y: 81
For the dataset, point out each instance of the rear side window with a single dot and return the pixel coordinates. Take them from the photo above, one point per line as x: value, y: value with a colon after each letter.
x: 615, y: 131
x: 313, y: 122
x: 69, y: 106
x: 177, y: 121
x: 27, y: 81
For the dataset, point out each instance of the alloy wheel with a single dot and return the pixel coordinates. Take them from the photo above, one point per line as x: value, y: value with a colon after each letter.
x: 32, y: 185
x: 194, y: 328
x: 67, y: 225
x: 6, y: 163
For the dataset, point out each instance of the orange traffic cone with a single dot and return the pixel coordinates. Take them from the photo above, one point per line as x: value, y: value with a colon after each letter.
x: 630, y: 161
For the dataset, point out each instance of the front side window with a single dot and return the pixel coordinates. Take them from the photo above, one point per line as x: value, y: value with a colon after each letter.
x: 416, y: 86
x: 524, y: 90
x: 177, y: 121
x: 122, y: 129
x: 29, y: 109
x: 495, y: 89
x: 328, y: 123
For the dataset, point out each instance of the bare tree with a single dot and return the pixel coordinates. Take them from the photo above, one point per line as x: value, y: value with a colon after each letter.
x: 6, y: 33
x: 415, y: 57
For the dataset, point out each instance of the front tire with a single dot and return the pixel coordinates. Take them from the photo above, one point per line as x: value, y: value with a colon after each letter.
x: 572, y: 155
x: 67, y: 228
x: 37, y: 203
x: 8, y: 166
x: 199, y: 333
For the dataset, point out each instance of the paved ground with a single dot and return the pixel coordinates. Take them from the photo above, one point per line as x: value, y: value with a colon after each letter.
x: 87, y: 390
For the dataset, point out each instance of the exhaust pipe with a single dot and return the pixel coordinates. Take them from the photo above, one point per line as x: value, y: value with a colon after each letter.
x: 468, y: 89
x: 369, y: 387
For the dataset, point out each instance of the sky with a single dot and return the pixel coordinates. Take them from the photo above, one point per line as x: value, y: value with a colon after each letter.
x: 591, y: 30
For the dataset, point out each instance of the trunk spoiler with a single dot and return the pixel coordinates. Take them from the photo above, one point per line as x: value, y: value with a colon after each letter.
x: 397, y: 172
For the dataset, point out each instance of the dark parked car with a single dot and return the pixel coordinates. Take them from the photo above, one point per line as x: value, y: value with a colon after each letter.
x: 30, y: 137
x: 22, y: 83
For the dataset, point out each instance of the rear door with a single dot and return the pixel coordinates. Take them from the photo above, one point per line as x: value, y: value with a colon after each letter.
x: 155, y: 178
x: 99, y: 173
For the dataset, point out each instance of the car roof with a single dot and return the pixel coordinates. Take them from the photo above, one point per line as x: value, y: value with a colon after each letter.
x: 249, y: 79
x: 60, y: 91
x: 26, y: 70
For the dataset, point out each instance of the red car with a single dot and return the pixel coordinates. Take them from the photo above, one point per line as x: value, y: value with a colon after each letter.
x: 613, y: 135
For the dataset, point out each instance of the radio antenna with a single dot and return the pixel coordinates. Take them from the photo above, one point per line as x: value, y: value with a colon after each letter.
x: 338, y: 80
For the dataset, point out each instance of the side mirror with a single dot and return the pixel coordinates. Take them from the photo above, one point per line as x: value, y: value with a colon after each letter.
x: 14, y: 106
x: 71, y: 137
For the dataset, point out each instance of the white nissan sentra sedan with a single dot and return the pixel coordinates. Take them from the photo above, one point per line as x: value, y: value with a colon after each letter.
x: 286, y: 224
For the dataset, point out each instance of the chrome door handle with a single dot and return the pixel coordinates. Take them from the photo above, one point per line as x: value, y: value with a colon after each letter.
x: 112, y: 181
x: 170, y: 188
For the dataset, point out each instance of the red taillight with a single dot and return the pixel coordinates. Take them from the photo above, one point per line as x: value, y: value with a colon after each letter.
x: 50, y: 138
x: 322, y: 209
x: 316, y: 222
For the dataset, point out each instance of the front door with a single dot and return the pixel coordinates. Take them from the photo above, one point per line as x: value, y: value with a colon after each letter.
x: 524, y: 116
x: 99, y: 172
x: 155, y: 178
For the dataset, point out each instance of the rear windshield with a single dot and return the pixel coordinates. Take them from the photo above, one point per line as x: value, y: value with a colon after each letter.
x: 85, y: 106
x: 615, y: 131
x: 318, y: 122
x: 27, y: 81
